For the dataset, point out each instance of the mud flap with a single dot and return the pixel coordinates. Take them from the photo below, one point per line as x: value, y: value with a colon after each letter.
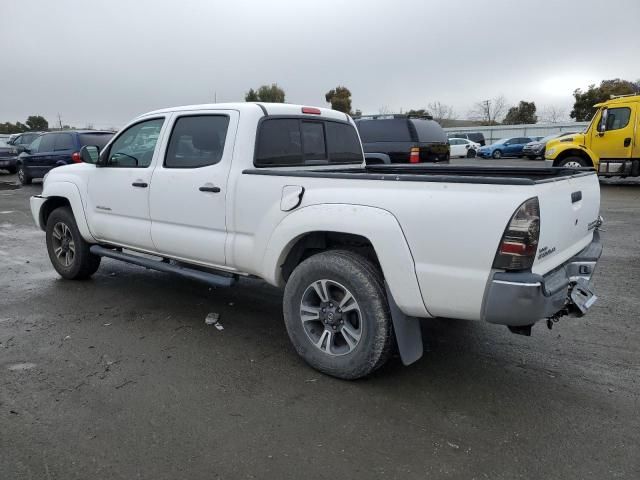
x: 407, y: 330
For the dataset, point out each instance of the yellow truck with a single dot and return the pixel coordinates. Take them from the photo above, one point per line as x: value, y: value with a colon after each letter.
x: 610, y: 144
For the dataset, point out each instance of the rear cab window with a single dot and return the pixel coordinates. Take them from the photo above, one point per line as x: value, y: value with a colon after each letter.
x: 288, y: 142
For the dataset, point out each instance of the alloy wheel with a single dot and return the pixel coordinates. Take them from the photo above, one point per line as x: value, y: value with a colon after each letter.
x: 63, y: 245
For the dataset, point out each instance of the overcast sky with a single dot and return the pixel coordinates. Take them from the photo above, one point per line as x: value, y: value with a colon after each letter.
x: 103, y: 62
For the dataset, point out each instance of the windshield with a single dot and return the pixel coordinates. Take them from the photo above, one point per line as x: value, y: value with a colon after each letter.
x: 500, y: 142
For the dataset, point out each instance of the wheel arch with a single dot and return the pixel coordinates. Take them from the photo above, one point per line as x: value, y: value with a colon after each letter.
x: 371, y: 231
x: 65, y: 193
x: 573, y: 152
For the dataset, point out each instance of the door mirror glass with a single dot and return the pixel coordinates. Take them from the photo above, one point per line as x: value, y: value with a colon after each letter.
x: 602, y: 126
x: 90, y: 154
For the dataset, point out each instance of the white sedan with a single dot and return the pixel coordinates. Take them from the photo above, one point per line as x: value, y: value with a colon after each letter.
x: 462, y: 147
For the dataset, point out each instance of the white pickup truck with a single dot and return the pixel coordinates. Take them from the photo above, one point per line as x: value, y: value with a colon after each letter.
x: 281, y: 192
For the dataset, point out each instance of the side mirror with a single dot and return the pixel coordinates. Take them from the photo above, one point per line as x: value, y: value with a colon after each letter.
x: 602, y: 125
x: 90, y: 154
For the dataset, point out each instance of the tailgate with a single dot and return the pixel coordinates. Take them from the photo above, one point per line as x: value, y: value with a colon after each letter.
x: 569, y: 211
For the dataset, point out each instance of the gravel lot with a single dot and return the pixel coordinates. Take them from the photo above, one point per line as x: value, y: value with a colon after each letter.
x: 119, y: 377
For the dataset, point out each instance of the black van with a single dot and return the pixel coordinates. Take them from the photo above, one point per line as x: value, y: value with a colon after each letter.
x: 402, y: 138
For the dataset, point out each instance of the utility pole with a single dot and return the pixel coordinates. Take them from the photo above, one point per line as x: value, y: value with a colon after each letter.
x: 60, y: 120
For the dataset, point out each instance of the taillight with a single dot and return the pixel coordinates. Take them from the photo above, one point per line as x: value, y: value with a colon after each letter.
x: 76, y: 158
x: 414, y: 155
x: 519, y: 244
x: 311, y: 110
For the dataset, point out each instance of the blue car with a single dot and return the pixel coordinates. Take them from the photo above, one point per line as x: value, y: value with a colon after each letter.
x: 54, y: 149
x: 507, y: 147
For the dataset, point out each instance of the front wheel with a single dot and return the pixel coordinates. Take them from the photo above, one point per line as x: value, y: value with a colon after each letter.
x: 337, y: 316
x: 497, y: 154
x: 68, y: 251
x: 573, y: 162
x: 471, y: 153
x: 23, y: 176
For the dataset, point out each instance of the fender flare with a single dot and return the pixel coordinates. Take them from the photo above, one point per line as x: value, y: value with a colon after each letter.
x: 379, y: 226
x: 562, y: 149
x: 70, y: 192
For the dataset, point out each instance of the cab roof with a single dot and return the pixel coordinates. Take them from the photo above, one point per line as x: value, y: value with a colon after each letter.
x: 620, y: 99
x: 269, y: 108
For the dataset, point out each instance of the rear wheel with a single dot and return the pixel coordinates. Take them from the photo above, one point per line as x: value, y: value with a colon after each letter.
x: 497, y: 154
x: 23, y: 176
x: 573, y: 162
x: 68, y: 251
x: 337, y: 315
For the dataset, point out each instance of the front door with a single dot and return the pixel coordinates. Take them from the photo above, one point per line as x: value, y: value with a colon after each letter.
x: 189, y: 187
x: 616, y: 142
x: 118, y: 190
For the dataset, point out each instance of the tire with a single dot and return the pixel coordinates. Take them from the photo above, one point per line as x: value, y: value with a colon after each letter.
x: 497, y: 154
x: 471, y: 153
x: 531, y: 157
x: 573, y: 162
x: 23, y: 176
x: 74, y: 261
x: 349, y: 342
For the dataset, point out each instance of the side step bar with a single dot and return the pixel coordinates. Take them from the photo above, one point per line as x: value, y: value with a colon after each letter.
x: 216, y: 279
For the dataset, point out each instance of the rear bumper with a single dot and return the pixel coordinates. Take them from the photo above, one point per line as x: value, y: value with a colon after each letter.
x: 8, y: 162
x: 519, y: 299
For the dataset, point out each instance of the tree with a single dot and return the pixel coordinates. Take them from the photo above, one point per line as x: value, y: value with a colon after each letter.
x: 552, y: 114
x: 339, y: 98
x: 251, y: 96
x: 440, y: 112
x: 418, y: 113
x: 488, y: 112
x: 37, y: 122
x: 9, y: 127
x: 524, y: 113
x: 583, y: 108
x: 266, y: 93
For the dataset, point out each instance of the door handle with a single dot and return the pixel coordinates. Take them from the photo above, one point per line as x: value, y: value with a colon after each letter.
x: 140, y: 184
x: 627, y: 142
x: 210, y: 189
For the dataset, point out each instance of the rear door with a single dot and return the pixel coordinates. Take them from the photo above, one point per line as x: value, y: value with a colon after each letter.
x: 63, y: 148
x: 189, y: 187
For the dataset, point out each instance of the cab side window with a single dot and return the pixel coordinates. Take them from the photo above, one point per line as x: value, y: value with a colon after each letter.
x: 618, y: 118
x: 197, y: 141
x: 64, y: 141
x: 135, y: 146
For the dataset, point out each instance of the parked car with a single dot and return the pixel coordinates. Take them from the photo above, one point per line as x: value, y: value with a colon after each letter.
x: 281, y: 192
x: 507, y: 147
x: 402, y: 139
x: 462, y: 147
x: 8, y: 155
x: 477, y: 137
x: 610, y: 144
x: 536, y: 147
x: 22, y: 140
x: 54, y: 149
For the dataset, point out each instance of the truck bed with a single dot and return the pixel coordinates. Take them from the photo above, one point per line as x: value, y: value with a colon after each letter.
x: 435, y: 173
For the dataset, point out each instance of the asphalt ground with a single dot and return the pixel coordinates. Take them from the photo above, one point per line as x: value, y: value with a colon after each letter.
x: 118, y: 377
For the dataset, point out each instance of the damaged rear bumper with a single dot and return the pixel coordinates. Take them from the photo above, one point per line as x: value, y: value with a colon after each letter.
x: 522, y: 298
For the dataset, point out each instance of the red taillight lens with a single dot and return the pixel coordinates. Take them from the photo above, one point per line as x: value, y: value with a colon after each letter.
x: 311, y: 110
x: 414, y: 155
x: 519, y: 244
x: 76, y: 158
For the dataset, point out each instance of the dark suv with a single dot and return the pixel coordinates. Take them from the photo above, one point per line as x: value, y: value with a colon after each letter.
x: 54, y: 149
x: 402, y: 139
x: 16, y: 145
